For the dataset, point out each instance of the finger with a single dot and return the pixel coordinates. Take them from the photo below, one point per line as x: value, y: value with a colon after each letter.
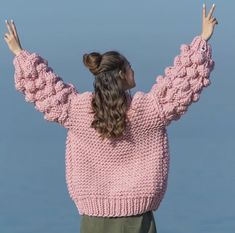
x: 204, y: 10
x: 7, y: 35
x: 8, y: 27
x: 212, y: 19
x: 14, y: 29
x: 6, y: 40
x: 15, y: 32
x: 211, y: 11
x: 215, y: 22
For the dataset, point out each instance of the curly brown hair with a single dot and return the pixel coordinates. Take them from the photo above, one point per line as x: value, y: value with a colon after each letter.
x: 110, y: 100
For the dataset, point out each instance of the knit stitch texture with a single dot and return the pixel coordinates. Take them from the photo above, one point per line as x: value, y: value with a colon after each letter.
x: 127, y: 175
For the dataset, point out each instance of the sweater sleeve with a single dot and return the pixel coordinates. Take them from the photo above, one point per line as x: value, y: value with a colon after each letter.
x: 183, y: 82
x: 42, y: 87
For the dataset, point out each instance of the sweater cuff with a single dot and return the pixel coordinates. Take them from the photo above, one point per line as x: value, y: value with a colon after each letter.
x: 200, y: 44
x: 22, y: 55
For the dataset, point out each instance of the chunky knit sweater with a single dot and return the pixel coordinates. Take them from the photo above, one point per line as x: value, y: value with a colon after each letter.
x: 127, y: 175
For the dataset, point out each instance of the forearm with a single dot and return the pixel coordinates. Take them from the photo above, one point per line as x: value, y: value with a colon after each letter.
x: 183, y: 82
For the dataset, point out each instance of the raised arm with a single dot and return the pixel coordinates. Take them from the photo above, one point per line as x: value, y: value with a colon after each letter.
x: 39, y: 84
x: 42, y: 87
x: 183, y: 82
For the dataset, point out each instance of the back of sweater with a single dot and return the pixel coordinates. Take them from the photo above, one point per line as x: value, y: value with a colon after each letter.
x: 128, y: 175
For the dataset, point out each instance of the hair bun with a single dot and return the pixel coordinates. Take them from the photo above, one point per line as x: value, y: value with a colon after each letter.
x: 92, y: 61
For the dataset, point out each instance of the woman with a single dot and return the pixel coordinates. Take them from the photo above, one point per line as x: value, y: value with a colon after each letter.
x: 117, y: 156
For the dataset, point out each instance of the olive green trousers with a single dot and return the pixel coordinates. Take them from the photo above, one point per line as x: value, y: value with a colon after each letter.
x: 141, y: 223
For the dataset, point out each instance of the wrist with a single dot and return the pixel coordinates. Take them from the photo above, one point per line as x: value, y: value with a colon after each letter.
x: 204, y: 37
x: 17, y: 51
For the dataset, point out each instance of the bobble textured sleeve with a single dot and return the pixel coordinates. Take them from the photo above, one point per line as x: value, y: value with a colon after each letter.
x: 183, y: 82
x: 41, y: 86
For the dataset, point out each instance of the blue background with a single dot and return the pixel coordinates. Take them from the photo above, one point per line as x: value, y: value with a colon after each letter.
x: 200, y: 194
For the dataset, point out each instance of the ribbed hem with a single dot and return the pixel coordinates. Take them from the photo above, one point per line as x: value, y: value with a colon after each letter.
x: 116, y: 207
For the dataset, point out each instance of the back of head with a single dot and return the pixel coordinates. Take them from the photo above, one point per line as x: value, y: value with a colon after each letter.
x: 109, y: 102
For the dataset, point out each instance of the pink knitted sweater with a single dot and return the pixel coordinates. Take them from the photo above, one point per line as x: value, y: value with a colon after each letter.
x: 128, y: 175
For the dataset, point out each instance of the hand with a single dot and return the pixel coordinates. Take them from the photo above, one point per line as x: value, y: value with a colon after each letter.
x: 12, y: 38
x: 208, y: 23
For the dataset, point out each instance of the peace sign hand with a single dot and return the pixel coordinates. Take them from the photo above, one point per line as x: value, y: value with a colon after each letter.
x: 12, y: 38
x: 208, y: 23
